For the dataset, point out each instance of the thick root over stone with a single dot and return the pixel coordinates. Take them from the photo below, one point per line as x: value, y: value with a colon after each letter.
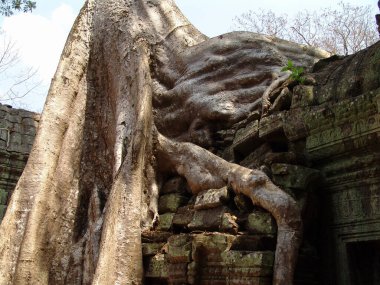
x: 204, y: 170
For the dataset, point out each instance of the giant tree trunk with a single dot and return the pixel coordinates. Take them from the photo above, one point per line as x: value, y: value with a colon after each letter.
x: 138, y: 92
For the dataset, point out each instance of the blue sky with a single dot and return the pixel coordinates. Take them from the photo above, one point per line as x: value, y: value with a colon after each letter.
x: 40, y: 36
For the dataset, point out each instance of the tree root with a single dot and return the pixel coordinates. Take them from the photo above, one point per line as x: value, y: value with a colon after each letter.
x: 204, y: 170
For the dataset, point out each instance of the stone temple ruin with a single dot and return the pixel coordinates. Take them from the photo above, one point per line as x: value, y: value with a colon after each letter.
x: 17, y: 132
x: 325, y: 153
x: 318, y: 141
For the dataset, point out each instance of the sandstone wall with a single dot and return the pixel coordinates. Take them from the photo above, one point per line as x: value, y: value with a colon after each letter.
x: 17, y: 132
x: 319, y: 141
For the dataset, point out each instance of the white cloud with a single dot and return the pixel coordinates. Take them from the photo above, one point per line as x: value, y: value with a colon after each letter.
x: 40, y: 40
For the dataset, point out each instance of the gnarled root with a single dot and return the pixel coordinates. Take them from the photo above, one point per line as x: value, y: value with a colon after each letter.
x: 204, y: 170
x: 266, y: 96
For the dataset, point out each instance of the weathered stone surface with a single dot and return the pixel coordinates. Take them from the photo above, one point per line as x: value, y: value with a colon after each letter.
x: 256, y: 158
x: 183, y: 216
x: 214, y: 263
x: 246, y: 138
x: 248, y: 242
x: 212, y: 220
x: 152, y: 248
x: 271, y: 125
x: 294, y: 176
x: 171, y: 202
x: 294, y: 124
x: 261, y: 223
x: 211, y: 198
x: 229, y: 224
x: 243, y: 203
x: 253, y: 116
x: 345, y: 126
x: 229, y: 154
x: 154, y: 236
x: 180, y: 248
x: 156, y: 267
x: 2, y: 211
x: 303, y: 96
x: 175, y: 185
x: 343, y: 143
x: 3, y: 197
x: 249, y: 259
x: 178, y: 273
x: 284, y: 157
x: 17, y: 131
x: 165, y: 222
x: 353, y: 184
x: 208, y: 247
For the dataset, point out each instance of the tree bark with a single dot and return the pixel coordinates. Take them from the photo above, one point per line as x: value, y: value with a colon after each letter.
x: 136, y: 90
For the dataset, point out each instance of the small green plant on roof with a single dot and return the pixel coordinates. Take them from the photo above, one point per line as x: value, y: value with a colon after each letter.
x: 296, y: 72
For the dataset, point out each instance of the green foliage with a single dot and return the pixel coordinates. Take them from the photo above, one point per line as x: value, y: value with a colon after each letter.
x: 8, y: 7
x: 296, y: 72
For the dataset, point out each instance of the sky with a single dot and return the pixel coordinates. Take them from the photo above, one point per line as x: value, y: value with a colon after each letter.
x: 39, y: 37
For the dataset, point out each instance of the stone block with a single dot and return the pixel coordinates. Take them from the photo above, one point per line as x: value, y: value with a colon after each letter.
x: 248, y: 133
x: 211, y: 198
x: 237, y: 279
x: 3, y: 197
x: 253, y: 116
x: 13, y: 118
x: 29, y: 130
x: 3, y: 144
x: 2, y: 211
x: 178, y: 274
x: 243, y: 203
x: 246, y: 138
x: 4, y: 134
x: 175, y: 185
x: 192, y: 273
x: 249, y: 242
x: 271, y: 125
x: 248, y: 259
x: 5, y: 108
x: 166, y: 221
x: 229, y: 224
x: 210, y: 246
x: 256, y: 158
x: 293, y: 176
x: 294, y: 125
x: 17, y: 128
x: 183, y: 216
x: 171, y: 202
x: 179, y: 248
x: 344, y: 137
x: 4, y: 174
x: 156, y: 266
x: 213, y: 220
x: 260, y: 222
x: 156, y: 236
x: 303, y: 95
x: 229, y: 154
x: 28, y: 121
x: 15, y: 141
x: 150, y: 249
x: 3, y: 114
x: 348, y: 125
